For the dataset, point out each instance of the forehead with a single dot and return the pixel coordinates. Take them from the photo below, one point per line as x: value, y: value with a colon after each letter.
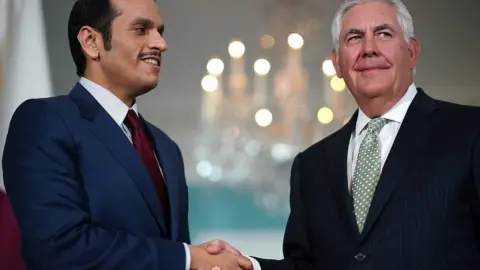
x: 369, y: 15
x: 132, y: 9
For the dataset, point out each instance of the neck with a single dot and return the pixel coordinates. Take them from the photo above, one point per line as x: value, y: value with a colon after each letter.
x: 118, y: 91
x: 376, y: 107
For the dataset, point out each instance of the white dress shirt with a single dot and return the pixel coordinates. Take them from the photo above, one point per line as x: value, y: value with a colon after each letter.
x: 386, y: 136
x: 118, y: 111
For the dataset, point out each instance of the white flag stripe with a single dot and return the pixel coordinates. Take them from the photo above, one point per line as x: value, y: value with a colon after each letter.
x: 27, y: 70
x: 3, y: 21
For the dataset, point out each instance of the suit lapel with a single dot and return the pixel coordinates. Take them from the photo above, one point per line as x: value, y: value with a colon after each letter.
x: 407, y: 148
x: 337, y: 154
x: 111, y: 135
x: 164, y: 158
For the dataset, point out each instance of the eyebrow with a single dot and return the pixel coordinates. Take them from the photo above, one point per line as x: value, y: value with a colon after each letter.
x: 382, y: 27
x: 149, y: 24
x: 378, y: 28
x: 354, y: 31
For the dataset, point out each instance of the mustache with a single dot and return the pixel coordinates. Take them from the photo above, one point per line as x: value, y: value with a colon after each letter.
x: 157, y: 54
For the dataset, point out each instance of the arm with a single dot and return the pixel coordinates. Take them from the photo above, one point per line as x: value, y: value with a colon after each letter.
x: 185, y: 230
x: 47, y: 196
x: 476, y: 180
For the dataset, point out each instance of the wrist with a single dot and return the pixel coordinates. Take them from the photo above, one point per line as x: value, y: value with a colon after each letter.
x: 195, y: 253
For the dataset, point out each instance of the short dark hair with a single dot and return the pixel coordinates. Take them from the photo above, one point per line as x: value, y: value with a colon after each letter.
x: 98, y: 14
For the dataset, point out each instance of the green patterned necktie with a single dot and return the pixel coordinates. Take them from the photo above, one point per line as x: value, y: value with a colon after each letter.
x: 367, y: 171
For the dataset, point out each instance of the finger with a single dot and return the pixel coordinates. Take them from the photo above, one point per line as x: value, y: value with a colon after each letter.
x: 209, y: 243
x: 232, y: 250
x: 244, y: 262
x: 216, y: 268
x: 214, y: 249
x: 224, y: 246
x: 216, y: 242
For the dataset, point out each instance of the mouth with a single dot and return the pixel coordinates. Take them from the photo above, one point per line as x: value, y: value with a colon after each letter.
x: 369, y: 68
x: 154, y: 61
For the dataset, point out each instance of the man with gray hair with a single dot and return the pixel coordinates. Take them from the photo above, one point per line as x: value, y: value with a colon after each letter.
x: 398, y: 187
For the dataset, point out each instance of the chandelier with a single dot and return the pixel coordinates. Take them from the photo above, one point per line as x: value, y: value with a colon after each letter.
x: 253, y: 126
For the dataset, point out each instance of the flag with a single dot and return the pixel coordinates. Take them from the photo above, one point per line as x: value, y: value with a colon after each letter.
x: 26, y: 70
x: 4, y: 17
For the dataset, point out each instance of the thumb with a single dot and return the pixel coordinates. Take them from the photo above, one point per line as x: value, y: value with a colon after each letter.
x: 245, y: 263
x: 214, y: 249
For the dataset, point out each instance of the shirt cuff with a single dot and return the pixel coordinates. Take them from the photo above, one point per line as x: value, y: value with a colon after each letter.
x: 256, y: 265
x: 188, y: 258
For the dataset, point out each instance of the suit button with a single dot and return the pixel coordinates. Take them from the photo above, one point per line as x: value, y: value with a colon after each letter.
x: 360, y: 257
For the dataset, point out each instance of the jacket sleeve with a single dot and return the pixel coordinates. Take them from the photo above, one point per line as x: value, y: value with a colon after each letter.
x: 476, y: 180
x: 184, y: 229
x: 44, y: 185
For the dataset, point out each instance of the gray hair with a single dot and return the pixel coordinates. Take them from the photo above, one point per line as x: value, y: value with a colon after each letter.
x: 403, y: 15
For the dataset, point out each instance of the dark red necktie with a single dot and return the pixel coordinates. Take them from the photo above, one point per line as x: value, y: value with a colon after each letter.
x: 142, y: 144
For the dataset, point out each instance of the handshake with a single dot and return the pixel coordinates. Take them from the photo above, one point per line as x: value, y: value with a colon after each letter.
x: 217, y: 255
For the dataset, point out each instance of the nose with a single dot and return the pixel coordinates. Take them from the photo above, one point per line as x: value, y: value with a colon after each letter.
x: 157, y: 42
x: 369, y: 46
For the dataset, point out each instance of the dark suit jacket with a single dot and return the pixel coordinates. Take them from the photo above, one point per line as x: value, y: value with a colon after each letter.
x: 425, y: 214
x: 10, y: 258
x: 81, y: 194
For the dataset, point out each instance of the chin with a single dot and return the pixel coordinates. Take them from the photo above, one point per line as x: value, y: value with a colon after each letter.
x: 151, y: 85
x: 150, y: 80
x: 146, y: 86
x: 373, y: 90
x: 373, y: 87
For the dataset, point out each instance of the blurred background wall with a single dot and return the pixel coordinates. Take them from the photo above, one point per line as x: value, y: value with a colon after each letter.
x: 239, y: 121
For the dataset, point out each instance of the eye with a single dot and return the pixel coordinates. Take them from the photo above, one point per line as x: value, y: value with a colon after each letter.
x: 354, y: 38
x: 140, y: 29
x: 385, y: 34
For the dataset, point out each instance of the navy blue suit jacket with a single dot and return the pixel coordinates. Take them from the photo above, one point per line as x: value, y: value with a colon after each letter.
x: 425, y: 214
x: 81, y: 194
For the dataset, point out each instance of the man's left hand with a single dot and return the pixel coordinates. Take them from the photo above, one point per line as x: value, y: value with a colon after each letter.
x: 219, y: 246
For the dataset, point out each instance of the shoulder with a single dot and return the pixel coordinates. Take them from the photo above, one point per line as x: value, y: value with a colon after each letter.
x: 457, y: 108
x: 36, y: 119
x: 38, y: 112
x: 41, y: 106
x: 455, y: 115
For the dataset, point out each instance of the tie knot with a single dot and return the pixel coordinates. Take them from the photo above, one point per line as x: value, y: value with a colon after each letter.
x: 376, y: 124
x: 132, y: 121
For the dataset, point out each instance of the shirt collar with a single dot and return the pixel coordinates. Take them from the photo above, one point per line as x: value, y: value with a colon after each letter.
x: 396, y: 113
x: 111, y: 103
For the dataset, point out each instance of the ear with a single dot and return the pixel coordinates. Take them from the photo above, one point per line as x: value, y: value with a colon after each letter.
x: 336, y: 63
x: 90, y: 41
x: 414, y: 48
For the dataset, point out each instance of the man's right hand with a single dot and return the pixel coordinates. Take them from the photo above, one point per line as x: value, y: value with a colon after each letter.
x: 202, y: 260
